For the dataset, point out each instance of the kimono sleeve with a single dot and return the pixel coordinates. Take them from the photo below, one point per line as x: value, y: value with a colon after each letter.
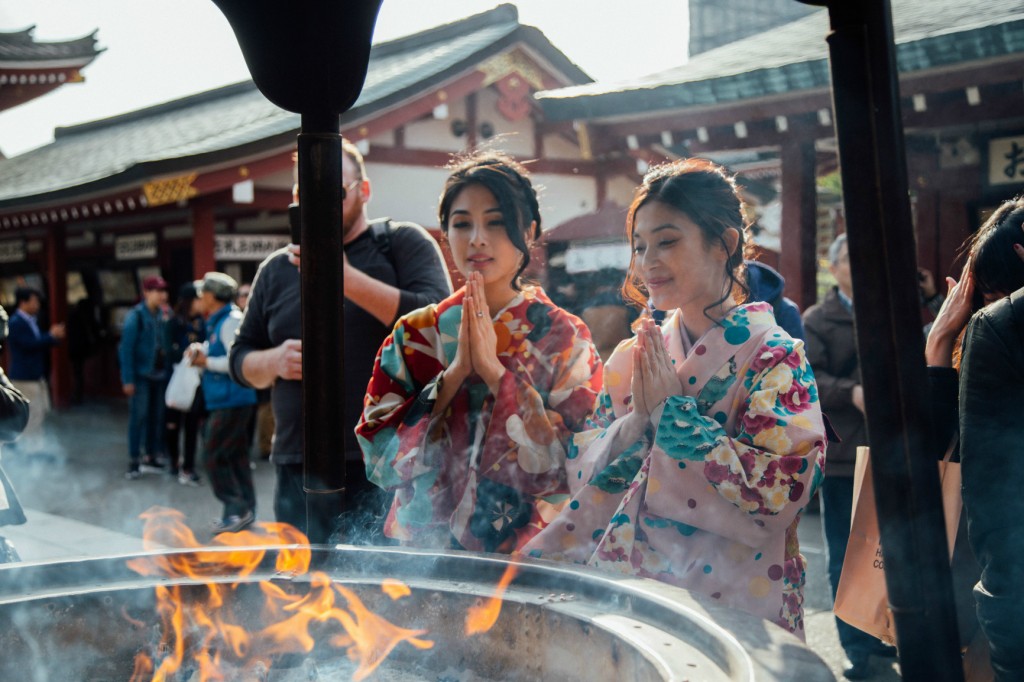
x: 750, y: 486
x: 396, y: 426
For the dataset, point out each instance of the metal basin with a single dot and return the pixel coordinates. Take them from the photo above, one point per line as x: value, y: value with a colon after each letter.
x: 85, y: 620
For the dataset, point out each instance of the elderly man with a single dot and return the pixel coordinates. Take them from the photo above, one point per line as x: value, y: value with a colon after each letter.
x: 230, y: 406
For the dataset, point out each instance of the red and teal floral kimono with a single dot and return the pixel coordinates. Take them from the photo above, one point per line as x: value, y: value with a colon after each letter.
x: 489, y: 472
x: 712, y: 502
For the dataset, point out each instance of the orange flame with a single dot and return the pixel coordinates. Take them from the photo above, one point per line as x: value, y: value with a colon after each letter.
x: 483, y: 616
x: 209, y: 632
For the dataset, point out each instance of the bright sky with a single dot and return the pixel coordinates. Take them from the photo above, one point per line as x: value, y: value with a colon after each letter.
x: 159, y: 50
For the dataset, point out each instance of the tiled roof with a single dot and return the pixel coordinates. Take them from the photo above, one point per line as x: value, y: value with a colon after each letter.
x: 238, y: 120
x: 929, y: 34
x: 20, y: 46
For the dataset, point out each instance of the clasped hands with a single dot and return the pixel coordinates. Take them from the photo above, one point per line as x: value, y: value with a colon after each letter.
x: 477, y: 352
x: 654, y: 377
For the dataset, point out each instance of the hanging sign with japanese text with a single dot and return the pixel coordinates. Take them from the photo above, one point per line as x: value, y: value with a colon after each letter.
x: 135, y: 246
x: 237, y: 247
x: 12, y: 251
x: 1006, y: 160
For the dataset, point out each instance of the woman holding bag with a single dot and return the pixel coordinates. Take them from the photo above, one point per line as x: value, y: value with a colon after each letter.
x: 708, y: 439
x: 183, y: 329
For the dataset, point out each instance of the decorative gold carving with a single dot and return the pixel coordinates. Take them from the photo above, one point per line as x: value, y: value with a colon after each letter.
x: 514, y: 62
x: 442, y: 95
x: 243, y: 171
x: 170, y: 190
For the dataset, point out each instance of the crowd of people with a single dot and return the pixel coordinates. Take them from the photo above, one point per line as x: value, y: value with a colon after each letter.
x: 488, y: 419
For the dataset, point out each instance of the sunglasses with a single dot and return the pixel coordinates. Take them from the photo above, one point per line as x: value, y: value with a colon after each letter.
x: 349, y: 188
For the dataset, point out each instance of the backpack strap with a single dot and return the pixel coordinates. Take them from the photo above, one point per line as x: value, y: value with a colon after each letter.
x: 380, y: 232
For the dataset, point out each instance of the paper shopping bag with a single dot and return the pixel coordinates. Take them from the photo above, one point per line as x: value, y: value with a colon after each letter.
x: 861, y: 598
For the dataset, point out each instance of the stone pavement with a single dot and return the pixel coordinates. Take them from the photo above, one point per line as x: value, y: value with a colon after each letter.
x: 79, y: 504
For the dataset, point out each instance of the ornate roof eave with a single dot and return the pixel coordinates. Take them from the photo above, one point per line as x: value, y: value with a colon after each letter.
x: 152, y: 184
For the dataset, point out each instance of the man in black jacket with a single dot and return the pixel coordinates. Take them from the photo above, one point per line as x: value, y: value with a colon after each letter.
x: 389, y: 269
x: 991, y: 451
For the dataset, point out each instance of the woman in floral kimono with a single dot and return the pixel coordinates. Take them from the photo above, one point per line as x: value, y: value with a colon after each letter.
x: 708, y: 438
x: 473, y: 401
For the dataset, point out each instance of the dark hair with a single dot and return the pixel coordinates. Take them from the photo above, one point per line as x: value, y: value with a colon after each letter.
x: 707, y: 194
x: 25, y: 294
x: 510, y: 184
x: 994, y: 263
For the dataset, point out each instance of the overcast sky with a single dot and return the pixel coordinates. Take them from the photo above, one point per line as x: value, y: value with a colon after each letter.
x: 159, y: 50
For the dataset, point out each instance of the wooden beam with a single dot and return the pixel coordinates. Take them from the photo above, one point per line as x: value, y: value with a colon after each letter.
x: 798, y: 252
x: 55, y: 246
x: 203, y: 241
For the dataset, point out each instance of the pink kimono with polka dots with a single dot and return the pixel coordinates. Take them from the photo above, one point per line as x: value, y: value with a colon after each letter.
x: 712, y: 502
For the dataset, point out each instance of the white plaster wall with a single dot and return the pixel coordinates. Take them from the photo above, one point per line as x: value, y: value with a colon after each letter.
x: 513, y: 137
x: 405, y: 192
x: 431, y: 133
x: 557, y: 147
x: 386, y: 139
x: 564, y: 196
x: 620, y: 189
x: 411, y: 193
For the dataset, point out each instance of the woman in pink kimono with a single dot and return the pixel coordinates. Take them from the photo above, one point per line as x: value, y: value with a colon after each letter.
x: 473, y: 401
x: 708, y: 439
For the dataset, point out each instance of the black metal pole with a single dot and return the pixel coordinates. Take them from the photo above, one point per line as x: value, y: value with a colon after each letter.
x: 319, y: 147
x: 889, y: 338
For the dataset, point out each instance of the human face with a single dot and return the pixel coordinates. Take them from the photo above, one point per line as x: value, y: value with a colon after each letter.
x: 155, y: 298
x: 677, y: 265
x: 479, y: 242
x: 841, y: 271
x: 242, y: 298
x: 356, y: 194
x: 32, y: 305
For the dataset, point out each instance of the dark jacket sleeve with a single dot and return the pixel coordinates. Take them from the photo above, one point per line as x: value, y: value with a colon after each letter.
x: 943, y: 404
x: 788, y: 317
x: 252, y: 332
x: 991, y: 451
x: 126, y: 349
x: 24, y: 339
x: 834, y: 392
x: 13, y: 410
x: 422, y: 275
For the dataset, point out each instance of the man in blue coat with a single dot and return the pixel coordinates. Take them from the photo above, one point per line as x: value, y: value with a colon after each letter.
x: 144, y: 372
x: 29, y: 348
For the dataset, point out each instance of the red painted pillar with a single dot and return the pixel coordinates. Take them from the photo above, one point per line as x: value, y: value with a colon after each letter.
x: 57, y: 286
x: 203, y: 259
x: 798, y: 253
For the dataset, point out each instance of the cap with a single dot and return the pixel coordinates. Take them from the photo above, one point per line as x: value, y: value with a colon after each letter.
x: 154, y: 282
x: 223, y: 287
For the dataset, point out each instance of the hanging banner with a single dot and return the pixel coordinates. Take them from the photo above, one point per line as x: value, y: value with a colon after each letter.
x: 135, y: 246
x: 12, y: 251
x: 1006, y: 160
x: 236, y: 247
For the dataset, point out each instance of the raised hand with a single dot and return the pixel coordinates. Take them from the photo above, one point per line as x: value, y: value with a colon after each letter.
x: 483, y: 342
x: 953, y: 316
x: 660, y: 380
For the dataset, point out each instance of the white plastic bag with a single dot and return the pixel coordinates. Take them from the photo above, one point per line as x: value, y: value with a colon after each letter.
x: 181, y: 389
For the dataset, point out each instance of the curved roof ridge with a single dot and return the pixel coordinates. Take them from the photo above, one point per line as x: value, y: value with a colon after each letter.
x: 502, y: 14
x: 155, y: 109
